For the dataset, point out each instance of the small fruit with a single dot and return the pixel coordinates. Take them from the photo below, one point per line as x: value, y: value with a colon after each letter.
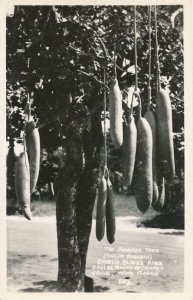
x: 101, y: 209
x: 22, y: 183
x: 110, y: 212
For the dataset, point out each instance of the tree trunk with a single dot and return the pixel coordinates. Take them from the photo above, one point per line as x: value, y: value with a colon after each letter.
x: 74, y: 205
x: 69, y: 262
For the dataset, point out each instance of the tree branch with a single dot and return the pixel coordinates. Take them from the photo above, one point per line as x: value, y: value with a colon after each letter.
x: 174, y: 15
x: 95, y: 78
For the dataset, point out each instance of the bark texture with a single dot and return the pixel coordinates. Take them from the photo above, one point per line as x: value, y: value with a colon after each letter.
x: 77, y: 184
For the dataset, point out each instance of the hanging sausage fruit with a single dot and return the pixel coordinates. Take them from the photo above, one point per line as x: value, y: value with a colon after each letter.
x: 22, y: 177
x: 110, y: 212
x: 150, y: 117
x: 33, y: 145
x: 143, y: 165
x: 27, y: 163
x: 129, y: 148
x: 22, y: 182
x: 33, y: 150
x: 101, y: 209
x: 105, y: 211
x: 161, y: 199
x: 102, y: 189
x: 115, y: 107
x: 164, y: 123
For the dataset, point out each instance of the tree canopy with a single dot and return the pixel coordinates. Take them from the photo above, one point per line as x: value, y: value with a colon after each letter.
x: 55, y: 56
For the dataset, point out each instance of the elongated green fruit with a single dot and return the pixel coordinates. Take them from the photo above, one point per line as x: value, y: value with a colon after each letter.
x: 164, y: 134
x: 161, y: 200
x: 115, y: 104
x: 155, y: 193
x: 150, y: 117
x: 110, y: 213
x: 33, y: 150
x: 51, y: 189
x: 129, y: 150
x: 101, y: 209
x: 22, y: 183
x: 143, y: 168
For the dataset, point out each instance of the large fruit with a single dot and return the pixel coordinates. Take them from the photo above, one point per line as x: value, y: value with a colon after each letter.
x: 150, y: 117
x: 164, y: 134
x: 155, y: 193
x: 161, y: 200
x: 110, y: 213
x: 33, y: 150
x: 115, y: 104
x: 129, y: 150
x: 101, y: 209
x: 143, y: 167
x: 22, y: 183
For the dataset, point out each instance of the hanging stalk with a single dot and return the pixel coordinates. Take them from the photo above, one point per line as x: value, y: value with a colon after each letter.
x: 115, y: 108
x: 22, y: 174
x: 105, y: 110
x: 129, y: 147
x: 157, y: 49
x: 136, y: 68
x: 32, y: 143
x: 150, y: 117
x: 102, y: 188
x: 164, y: 122
x: 28, y: 105
x: 143, y: 166
x: 115, y: 67
x: 149, y: 77
x: 135, y: 49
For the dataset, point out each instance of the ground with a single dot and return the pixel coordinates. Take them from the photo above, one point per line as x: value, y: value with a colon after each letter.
x: 32, y: 255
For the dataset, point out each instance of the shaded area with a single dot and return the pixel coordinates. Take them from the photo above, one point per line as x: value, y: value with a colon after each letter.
x: 165, y: 221
x: 42, y: 286
x: 173, y: 233
x: 52, y: 286
x: 101, y: 289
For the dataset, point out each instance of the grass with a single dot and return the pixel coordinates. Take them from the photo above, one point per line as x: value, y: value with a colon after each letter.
x: 43, y: 208
x: 124, y: 206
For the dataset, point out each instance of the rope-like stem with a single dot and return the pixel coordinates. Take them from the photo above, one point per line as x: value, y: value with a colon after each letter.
x: 139, y: 100
x: 136, y: 70
x: 149, y: 77
x: 135, y: 49
x: 156, y: 48
x: 27, y: 110
x: 133, y: 96
x: 105, y: 109
x: 28, y: 104
x: 115, y: 69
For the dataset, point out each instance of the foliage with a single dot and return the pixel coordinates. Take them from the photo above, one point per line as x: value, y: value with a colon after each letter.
x: 66, y: 61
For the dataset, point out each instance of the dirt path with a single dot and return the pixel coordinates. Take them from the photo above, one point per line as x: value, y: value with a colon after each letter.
x: 32, y: 258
